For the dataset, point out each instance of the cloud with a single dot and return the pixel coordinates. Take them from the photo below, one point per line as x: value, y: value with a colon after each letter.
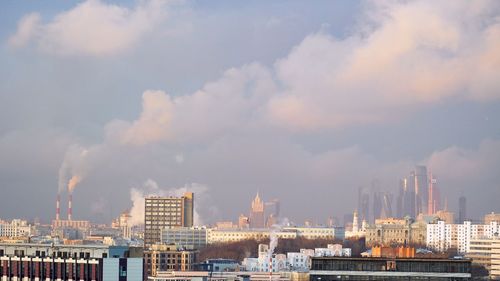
x: 394, y: 64
x: 26, y: 29
x: 91, y: 28
x: 154, y: 122
x: 242, y: 132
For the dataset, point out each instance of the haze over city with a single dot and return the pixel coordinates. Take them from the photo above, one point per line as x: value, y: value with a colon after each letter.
x: 306, y: 103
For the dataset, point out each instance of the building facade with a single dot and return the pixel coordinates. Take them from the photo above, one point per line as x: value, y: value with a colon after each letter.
x: 168, y: 258
x: 185, y: 237
x: 389, y: 232
x: 442, y: 236
x: 163, y: 212
x: 340, y: 268
x: 64, y: 262
x: 486, y: 252
x: 227, y: 235
x: 257, y: 219
x: 16, y: 228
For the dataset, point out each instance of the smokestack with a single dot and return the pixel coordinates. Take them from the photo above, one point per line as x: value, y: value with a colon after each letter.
x: 70, y: 208
x: 58, y: 207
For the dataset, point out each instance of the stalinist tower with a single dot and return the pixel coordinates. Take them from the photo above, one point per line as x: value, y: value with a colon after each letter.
x: 257, y: 213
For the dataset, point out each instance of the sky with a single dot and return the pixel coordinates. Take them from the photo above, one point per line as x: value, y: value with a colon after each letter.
x: 301, y: 101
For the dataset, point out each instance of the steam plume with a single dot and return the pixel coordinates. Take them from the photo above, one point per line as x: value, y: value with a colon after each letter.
x: 73, y: 182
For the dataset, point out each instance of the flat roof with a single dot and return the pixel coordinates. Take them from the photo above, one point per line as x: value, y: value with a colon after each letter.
x: 388, y: 259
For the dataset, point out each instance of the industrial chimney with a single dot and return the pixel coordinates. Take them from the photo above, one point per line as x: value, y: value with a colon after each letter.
x: 70, y: 208
x: 58, y: 207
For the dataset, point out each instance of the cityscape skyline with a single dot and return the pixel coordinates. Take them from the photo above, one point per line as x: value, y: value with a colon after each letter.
x: 230, y: 99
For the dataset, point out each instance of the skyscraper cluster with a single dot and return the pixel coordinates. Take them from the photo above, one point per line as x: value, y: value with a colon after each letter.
x: 418, y: 194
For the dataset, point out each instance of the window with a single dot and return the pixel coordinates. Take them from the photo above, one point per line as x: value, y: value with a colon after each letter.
x: 123, y: 271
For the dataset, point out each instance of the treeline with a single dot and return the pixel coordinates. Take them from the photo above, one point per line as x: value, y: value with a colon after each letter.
x: 248, y: 248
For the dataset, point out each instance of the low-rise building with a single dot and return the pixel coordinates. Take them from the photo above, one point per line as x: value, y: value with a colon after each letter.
x: 160, y: 257
x: 344, y: 268
x: 233, y: 235
x: 64, y: 262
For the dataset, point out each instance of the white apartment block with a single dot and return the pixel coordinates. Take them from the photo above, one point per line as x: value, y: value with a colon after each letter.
x: 442, y: 236
x: 15, y: 228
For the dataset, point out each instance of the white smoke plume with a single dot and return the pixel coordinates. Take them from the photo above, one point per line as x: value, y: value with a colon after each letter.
x: 73, y: 169
x: 273, y: 235
x: 151, y: 188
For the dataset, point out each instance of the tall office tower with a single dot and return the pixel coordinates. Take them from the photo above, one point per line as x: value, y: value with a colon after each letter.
x: 421, y: 187
x: 400, y: 206
x: 408, y: 198
x: 462, y: 215
x: 272, y: 212
x: 377, y: 205
x: 257, y: 213
x: 162, y: 212
x: 363, y: 204
x: 387, y: 205
x: 433, y: 203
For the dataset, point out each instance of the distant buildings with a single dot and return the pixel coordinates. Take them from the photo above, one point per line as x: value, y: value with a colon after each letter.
x: 16, y: 228
x: 413, y: 195
x: 492, y: 217
x: 442, y: 236
x: 358, y: 229
x: 122, y: 223
x: 257, y: 213
x: 391, y: 231
x: 162, y: 212
x: 291, y: 261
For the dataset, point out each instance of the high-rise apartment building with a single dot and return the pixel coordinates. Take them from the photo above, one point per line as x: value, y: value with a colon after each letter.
x: 442, y: 236
x: 257, y: 213
x: 162, y: 212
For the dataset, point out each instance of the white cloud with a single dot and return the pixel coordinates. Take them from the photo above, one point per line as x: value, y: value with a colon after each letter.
x: 409, y: 55
x: 413, y: 54
x: 26, y: 29
x: 91, y: 28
